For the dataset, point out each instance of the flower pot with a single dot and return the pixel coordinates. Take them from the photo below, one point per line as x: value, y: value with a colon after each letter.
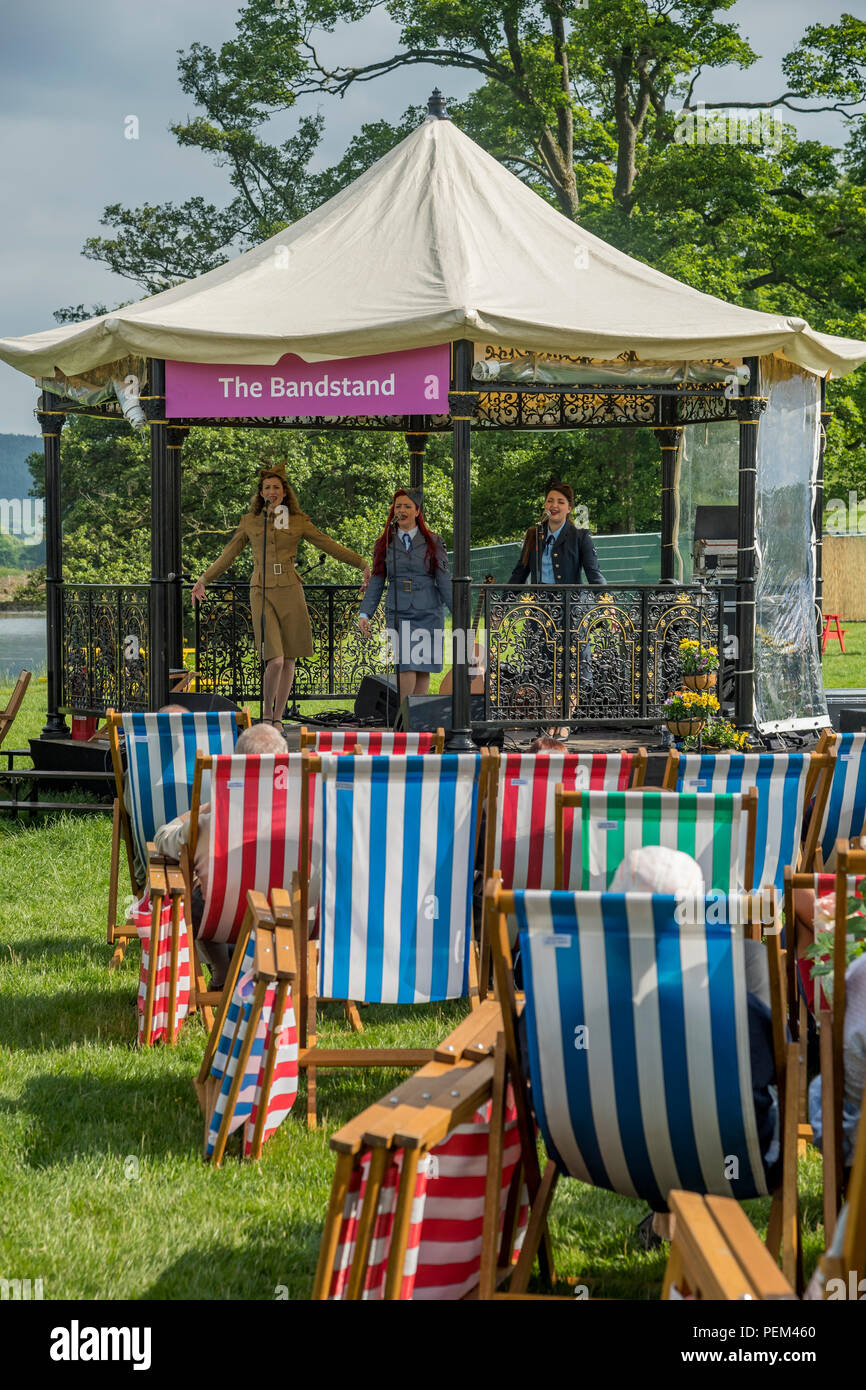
x: 682, y: 728
x: 705, y: 681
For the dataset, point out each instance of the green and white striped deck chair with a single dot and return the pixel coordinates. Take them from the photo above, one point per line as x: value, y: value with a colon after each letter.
x: 596, y: 830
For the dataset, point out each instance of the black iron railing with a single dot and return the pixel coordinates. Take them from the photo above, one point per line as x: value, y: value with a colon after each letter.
x: 226, y: 650
x: 576, y: 655
x: 105, y: 646
x: 579, y: 654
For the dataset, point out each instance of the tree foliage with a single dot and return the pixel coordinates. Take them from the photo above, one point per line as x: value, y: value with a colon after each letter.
x: 580, y: 102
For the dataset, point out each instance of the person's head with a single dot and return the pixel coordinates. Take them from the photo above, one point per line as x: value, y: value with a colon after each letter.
x: 274, y: 489
x: 173, y: 709
x: 407, y: 509
x: 261, y: 738
x: 547, y: 745
x: 558, y: 502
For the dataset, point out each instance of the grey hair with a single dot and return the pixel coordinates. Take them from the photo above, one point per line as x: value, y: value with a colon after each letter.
x: 262, y: 738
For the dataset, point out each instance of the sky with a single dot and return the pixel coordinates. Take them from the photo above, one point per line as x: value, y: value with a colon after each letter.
x: 70, y: 76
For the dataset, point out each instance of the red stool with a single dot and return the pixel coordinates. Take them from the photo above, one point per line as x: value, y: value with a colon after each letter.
x: 832, y: 628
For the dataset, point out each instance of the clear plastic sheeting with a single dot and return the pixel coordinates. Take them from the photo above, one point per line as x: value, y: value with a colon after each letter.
x: 528, y: 369
x: 707, y: 476
x: 789, y: 689
x: 119, y: 381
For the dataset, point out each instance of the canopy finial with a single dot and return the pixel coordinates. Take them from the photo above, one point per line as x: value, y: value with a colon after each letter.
x: 436, y: 110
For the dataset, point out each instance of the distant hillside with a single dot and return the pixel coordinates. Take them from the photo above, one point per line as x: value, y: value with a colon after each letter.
x: 15, y: 479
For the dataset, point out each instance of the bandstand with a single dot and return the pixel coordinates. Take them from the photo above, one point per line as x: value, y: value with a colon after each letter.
x: 482, y: 308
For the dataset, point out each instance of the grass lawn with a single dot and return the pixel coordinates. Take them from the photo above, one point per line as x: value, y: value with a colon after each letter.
x: 102, y: 1184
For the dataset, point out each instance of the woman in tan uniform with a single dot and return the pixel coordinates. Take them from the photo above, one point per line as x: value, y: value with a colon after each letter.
x: 276, y: 523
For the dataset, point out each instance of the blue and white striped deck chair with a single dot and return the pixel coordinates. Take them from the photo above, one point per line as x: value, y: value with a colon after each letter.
x: 845, y: 812
x: 596, y: 830
x: 399, y: 836
x: 785, y: 783
x: 637, y: 1035
x: 160, y: 762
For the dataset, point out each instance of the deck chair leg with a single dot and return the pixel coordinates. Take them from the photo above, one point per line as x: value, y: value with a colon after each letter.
x: 402, y: 1224
x: 268, y: 1078
x: 493, y: 1184
x: 830, y: 1154
x: 117, y: 956
x: 536, y: 1234
x: 350, y: 1009
x: 156, y: 914
x: 309, y: 1006
x: 379, y: 1161
x: 791, y: 1255
x: 474, y: 991
x: 234, y: 971
x: 199, y: 987
x: 240, y: 1070
x: 333, y: 1221
x: 172, y: 985
x: 673, y: 1271
x: 113, y: 875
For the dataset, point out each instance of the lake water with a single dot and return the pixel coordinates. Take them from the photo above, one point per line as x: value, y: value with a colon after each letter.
x: 22, y: 645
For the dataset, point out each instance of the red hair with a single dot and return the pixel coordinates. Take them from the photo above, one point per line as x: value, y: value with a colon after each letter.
x: 381, y: 545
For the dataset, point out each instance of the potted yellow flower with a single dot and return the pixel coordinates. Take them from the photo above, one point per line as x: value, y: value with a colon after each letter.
x: 686, y: 711
x: 700, y: 664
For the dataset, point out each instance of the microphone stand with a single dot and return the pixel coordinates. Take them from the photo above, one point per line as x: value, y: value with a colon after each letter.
x: 266, y: 514
x: 394, y: 534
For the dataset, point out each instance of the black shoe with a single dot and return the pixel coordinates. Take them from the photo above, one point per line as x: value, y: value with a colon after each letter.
x: 647, y: 1238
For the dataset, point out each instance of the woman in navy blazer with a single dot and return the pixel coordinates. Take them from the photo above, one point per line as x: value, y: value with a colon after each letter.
x: 411, y: 557
x: 570, y: 549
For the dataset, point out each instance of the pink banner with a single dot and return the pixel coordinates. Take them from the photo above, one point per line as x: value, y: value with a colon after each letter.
x: 393, y: 383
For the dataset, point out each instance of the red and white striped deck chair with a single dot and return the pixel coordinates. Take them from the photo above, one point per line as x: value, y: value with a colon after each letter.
x: 253, y: 1051
x: 373, y: 741
x: 406, y: 1217
x: 164, y: 984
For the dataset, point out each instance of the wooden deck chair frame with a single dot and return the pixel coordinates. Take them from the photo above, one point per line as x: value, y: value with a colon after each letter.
x: 716, y: 1253
x: 275, y: 960
x: 7, y: 715
x: 164, y: 881
x: 119, y: 933
x: 783, y: 1234
x: 572, y: 800
x: 850, y: 863
x: 638, y: 774
x: 798, y: 1013
x: 818, y: 782
x: 309, y: 737
x: 413, y: 1118
x: 310, y: 1055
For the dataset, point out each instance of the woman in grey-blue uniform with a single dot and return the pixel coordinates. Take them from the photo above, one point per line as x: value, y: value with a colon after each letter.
x: 411, y: 557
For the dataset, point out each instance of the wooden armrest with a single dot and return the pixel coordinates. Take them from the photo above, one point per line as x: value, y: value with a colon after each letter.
x: 719, y: 1252
x: 475, y: 1037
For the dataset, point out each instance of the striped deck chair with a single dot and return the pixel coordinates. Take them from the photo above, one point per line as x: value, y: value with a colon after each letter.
x: 845, y: 811
x: 253, y: 1055
x: 594, y: 831
x: 372, y: 741
x: 716, y: 1254
x: 406, y: 1217
x: 785, y: 783
x: 165, y: 979
x: 160, y: 761
x: 638, y: 1042
x: 398, y: 854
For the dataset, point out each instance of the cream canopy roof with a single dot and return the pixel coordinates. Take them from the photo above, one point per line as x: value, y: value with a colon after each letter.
x: 436, y: 241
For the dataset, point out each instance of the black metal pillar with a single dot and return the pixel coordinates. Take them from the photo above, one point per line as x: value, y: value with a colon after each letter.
x: 51, y: 421
x: 462, y: 402
x: 416, y: 443
x: 160, y: 538
x: 175, y: 435
x: 749, y: 410
x: 669, y: 435
x: 818, y: 514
